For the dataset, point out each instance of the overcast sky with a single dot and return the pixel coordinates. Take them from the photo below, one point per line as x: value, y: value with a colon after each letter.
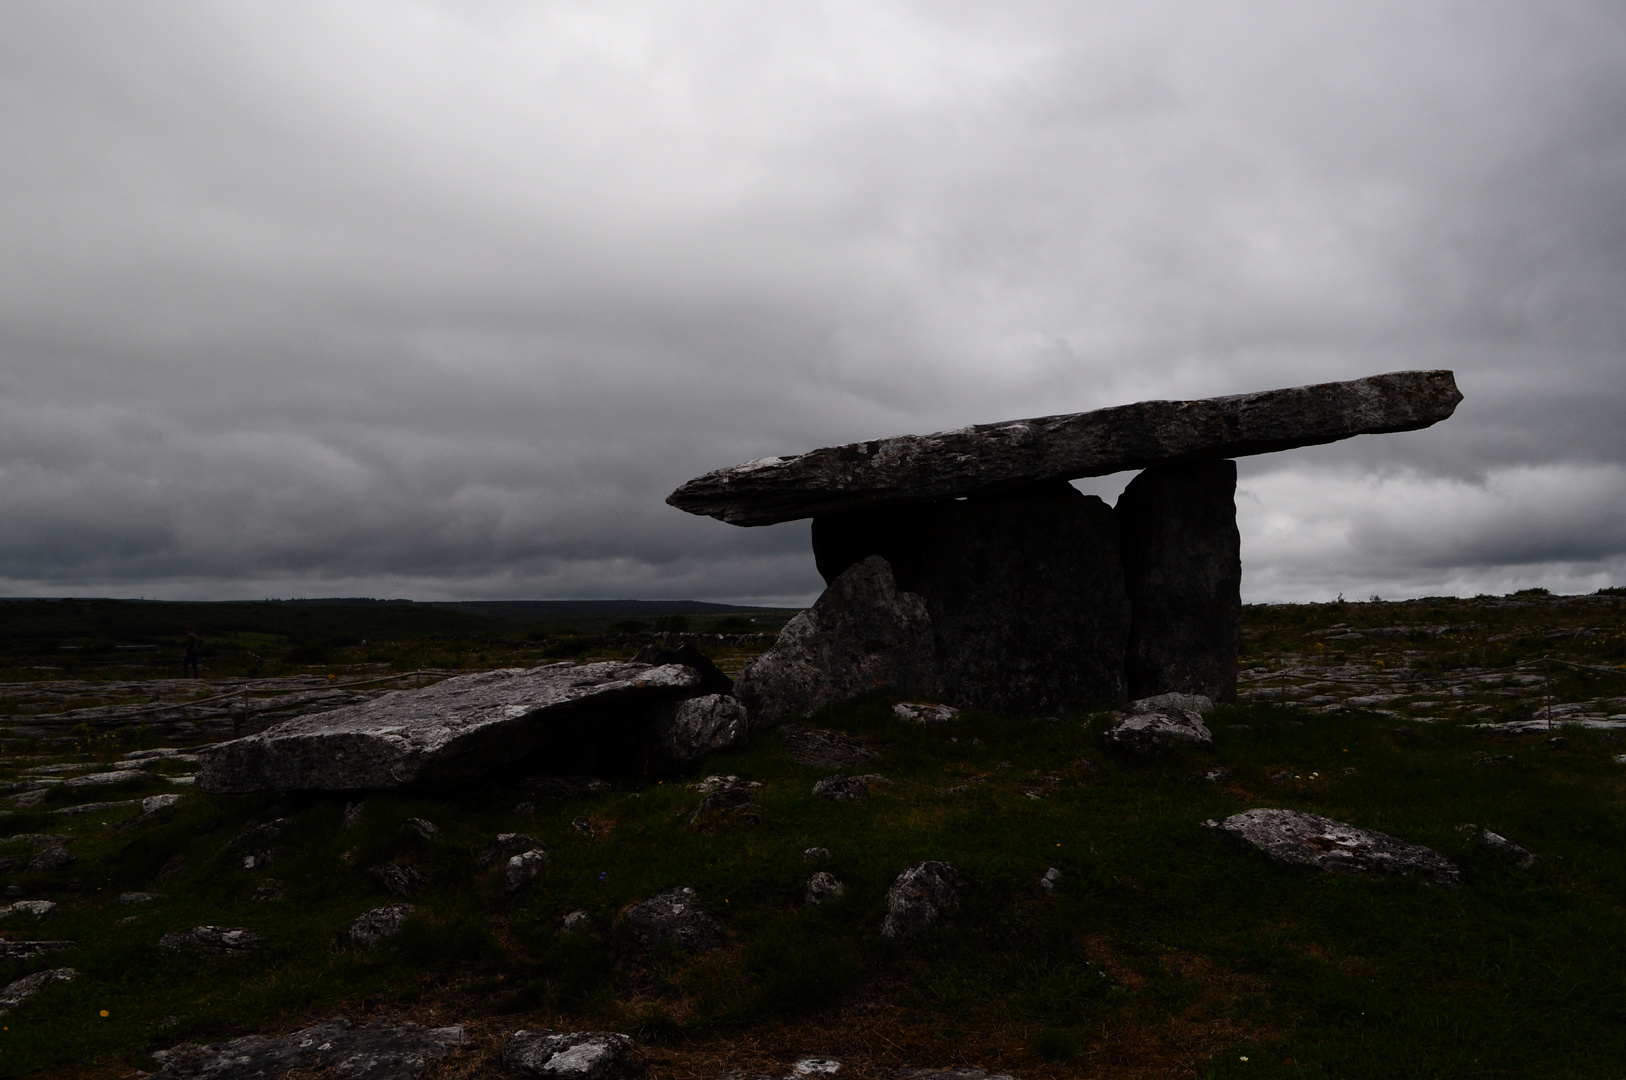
x: 440, y: 300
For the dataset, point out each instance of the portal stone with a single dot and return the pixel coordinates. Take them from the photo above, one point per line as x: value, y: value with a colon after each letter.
x: 1182, y: 559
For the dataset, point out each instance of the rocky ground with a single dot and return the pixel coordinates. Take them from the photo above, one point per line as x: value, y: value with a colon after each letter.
x: 879, y: 892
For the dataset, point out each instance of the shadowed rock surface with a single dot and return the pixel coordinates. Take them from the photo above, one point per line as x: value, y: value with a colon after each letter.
x: 919, y: 896
x: 451, y: 732
x: 697, y: 727
x: 1024, y: 590
x: 991, y: 457
x: 1157, y: 730
x: 676, y: 916
x: 376, y: 925
x: 15, y: 993
x: 1291, y: 836
x: 373, y: 1052
x: 219, y: 940
x: 587, y: 1055
x: 1182, y: 558
x: 822, y: 749
x: 862, y: 634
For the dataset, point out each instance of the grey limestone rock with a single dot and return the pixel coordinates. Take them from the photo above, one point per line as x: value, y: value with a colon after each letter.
x: 675, y: 916
x: 54, y: 857
x: 1196, y: 703
x: 376, y: 925
x: 689, y: 730
x: 398, y: 878
x: 991, y: 457
x: 922, y: 713
x: 842, y: 788
x: 576, y: 1055
x: 506, y: 845
x: 137, y: 897
x: 823, y: 886
x: 219, y: 940
x: 1291, y: 836
x: 122, y: 776
x: 821, y: 749
x: 425, y: 828
x: 25, y: 950
x: 1498, y: 843
x: 1052, y: 877
x: 154, y: 803
x: 919, y: 896
x: 1159, y: 730
x: 862, y: 634
x: 577, y: 922
x: 447, y: 733
x: 816, y: 855
x: 1182, y: 558
x: 373, y: 1052
x: 15, y: 993
x: 1024, y: 591
x: 37, y: 908
x: 522, y: 869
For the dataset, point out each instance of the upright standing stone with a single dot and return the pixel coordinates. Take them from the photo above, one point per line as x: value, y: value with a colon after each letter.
x: 1182, y: 559
x: 1025, y: 590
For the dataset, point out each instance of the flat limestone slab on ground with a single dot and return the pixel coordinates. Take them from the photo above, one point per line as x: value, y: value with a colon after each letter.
x: 1291, y: 836
x: 451, y: 732
x: 990, y: 457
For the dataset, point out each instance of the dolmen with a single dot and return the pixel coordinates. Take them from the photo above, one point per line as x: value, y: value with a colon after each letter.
x: 645, y: 715
x: 963, y: 567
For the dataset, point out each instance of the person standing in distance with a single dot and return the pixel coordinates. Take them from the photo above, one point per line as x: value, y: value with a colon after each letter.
x: 189, y: 660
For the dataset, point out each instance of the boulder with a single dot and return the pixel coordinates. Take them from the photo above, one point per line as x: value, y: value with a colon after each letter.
x: 675, y: 916
x: 1024, y: 591
x: 376, y: 925
x: 15, y: 993
x: 219, y: 940
x: 1291, y: 836
x: 823, y: 886
x: 919, y: 896
x: 696, y: 727
x: 862, y: 634
x: 523, y: 869
x: 1159, y: 730
x: 451, y: 732
x: 1182, y: 559
x: 373, y: 1052
x: 821, y: 749
x: 576, y: 1055
x: 992, y: 457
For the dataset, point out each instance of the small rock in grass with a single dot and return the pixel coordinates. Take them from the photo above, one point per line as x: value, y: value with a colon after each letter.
x: 137, y: 897
x: 823, y: 886
x: 218, y: 940
x: 507, y: 844
x: 1290, y: 836
x: 577, y: 922
x: 1557, y: 742
x: 1499, y: 844
x: 727, y: 799
x: 398, y: 879
x: 1286, y: 776
x: 352, y: 815
x: 15, y: 993
x: 522, y: 869
x: 839, y: 788
x: 577, y: 1055
x: 1494, y: 759
x: 55, y: 857
x: 154, y: 803
x: 816, y: 1066
x: 816, y: 855
x: 1051, y: 877
x: 718, y: 781
x: 37, y: 908
x: 1217, y: 776
x: 819, y: 749
x: 919, y: 896
x: 376, y: 925
x: 583, y: 825
x: 1158, y: 731
x: 424, y: 828
x: 922, y: 713
x: 269, y: 891
x: 675, y: 916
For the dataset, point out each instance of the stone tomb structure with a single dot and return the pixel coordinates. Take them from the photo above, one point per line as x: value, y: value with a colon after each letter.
x: 963, y: 567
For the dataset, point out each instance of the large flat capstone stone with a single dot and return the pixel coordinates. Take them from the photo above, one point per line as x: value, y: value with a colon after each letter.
x: 991, y: 457
x: 448, y: 733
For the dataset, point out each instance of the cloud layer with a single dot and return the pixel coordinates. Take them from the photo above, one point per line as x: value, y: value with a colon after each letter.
x: 440, y: 300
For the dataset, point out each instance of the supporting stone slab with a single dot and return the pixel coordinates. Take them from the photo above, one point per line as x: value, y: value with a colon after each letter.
x: 451, y: 732
x: 1182, y: 559
x: 1025, y: 591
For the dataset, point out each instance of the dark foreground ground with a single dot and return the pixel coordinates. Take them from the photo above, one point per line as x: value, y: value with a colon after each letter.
x: 1164, y: 950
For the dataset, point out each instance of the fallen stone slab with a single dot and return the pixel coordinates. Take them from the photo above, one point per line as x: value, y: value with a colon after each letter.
x: 373, y: 1052
x: 989, y: 457
x: 215, y: 940
x: 1159, y: 730
x: 861, y: 634
x: 821, y: 749
x: 15, y: 993
x: 675, y: 916
x: 1291, y: 836
x: 587, y: 1055
x: 919, y: 896
x: 447, y: 733
x: 376, y: 925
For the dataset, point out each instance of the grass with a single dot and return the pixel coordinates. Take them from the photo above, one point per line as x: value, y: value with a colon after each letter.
x: 1164, y: 951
